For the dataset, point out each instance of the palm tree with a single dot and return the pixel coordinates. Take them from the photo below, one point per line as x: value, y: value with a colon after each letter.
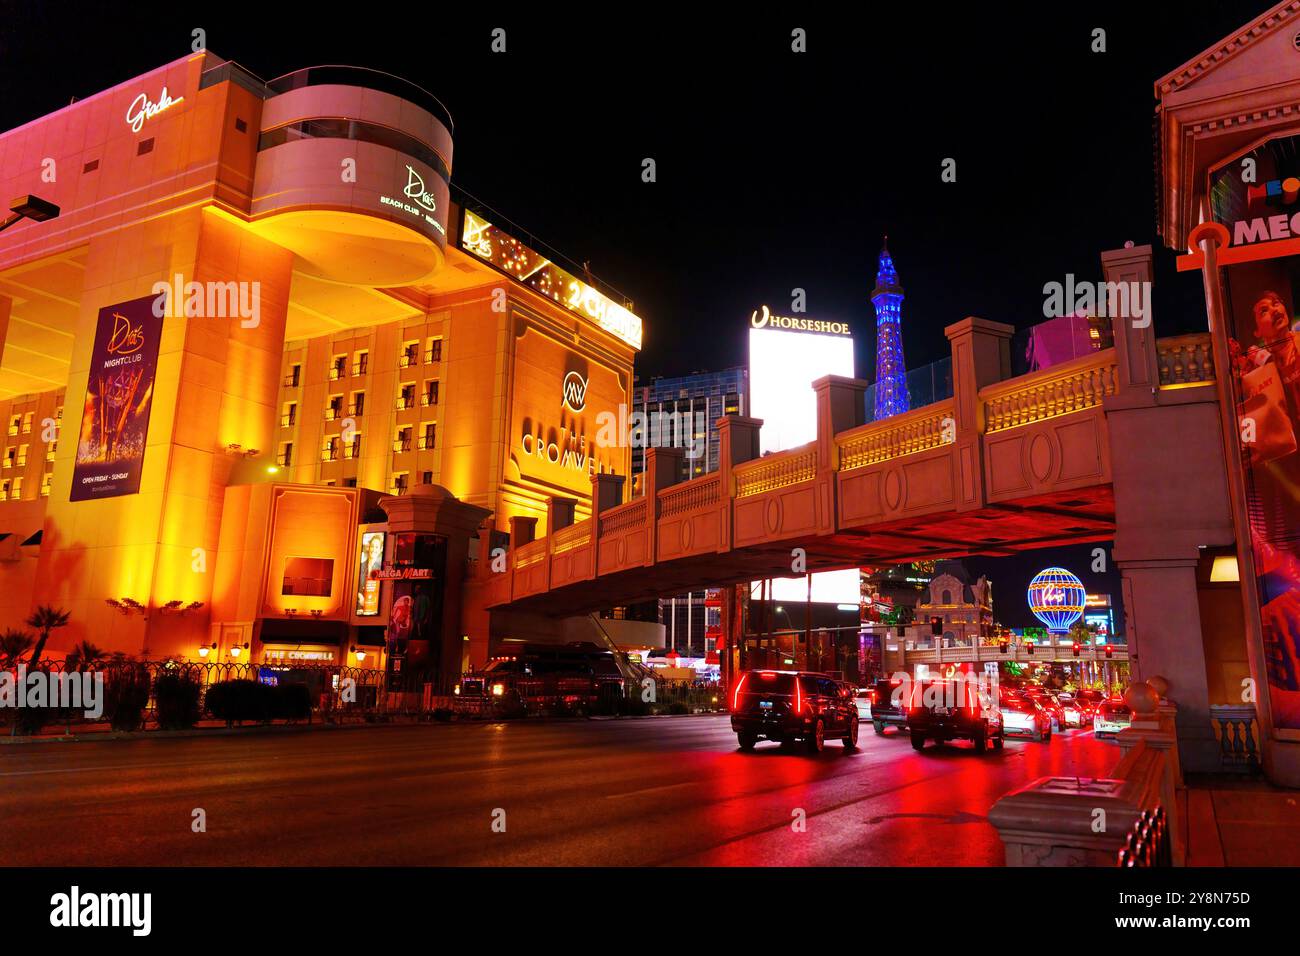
x: 84, y: 655
x: 45, y: 619
x: 13, y: 645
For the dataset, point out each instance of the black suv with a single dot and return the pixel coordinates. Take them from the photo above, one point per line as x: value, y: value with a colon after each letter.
x: 888, y: 709
x: 789, y: 706
x: 943, y: 710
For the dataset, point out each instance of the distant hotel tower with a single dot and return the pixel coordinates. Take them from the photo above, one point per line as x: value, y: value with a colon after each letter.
x: 891, y: 373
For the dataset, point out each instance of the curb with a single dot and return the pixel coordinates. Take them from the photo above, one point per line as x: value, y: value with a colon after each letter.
x: 206, y: 732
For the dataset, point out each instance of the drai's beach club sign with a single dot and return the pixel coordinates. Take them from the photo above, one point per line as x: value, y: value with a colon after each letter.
x: 142, y: 108
x: 417, y: 201
x: 762, y: 318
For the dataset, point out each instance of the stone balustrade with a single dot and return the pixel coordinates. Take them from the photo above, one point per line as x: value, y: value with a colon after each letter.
x: 1185, y: 359
x: 1059, y: 390
x: 1080, y: 821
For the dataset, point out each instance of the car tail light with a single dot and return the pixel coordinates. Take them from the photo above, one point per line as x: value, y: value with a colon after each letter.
x: 735, y: 704
x: 798, y: 696
x: 498, y: 690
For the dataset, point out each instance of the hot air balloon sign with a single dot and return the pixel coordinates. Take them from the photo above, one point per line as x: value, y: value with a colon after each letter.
x: 1057, y: 598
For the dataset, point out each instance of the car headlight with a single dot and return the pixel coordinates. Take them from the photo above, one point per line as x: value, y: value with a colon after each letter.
x: 456, y: 689
x: 498, y: 690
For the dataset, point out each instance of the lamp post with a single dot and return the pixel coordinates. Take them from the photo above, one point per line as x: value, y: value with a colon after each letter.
x: 29, y: 207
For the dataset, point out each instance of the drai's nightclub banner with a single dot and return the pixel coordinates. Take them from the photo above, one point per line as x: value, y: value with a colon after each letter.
x: 119, y: 393
x: 1264, y: 348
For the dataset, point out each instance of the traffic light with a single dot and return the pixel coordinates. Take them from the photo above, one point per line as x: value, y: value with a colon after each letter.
x: 1110, y: 651
x: 1004, y: 645
x: 1029, y: 648
x: 936, y: 626
x: 1076, y: 648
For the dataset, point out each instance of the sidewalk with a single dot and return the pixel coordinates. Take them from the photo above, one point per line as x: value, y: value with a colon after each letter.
x: 1241, y: 821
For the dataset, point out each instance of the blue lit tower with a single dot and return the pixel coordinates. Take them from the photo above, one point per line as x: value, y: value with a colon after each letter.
x: 891, y: 374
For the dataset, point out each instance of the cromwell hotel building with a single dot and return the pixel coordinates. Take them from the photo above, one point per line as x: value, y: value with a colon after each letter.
x: 268, y: 393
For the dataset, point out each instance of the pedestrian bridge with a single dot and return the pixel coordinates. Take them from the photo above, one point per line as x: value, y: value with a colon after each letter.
x: 1004, y: 465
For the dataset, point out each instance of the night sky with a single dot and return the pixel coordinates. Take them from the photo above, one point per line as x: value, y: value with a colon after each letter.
x: 775, y: 170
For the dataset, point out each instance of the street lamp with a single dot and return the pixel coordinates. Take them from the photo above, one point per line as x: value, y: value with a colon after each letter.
x: 29, y: 207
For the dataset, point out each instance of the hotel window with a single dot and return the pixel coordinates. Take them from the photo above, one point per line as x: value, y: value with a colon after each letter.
x: 330, y: 450
x: 285, y: 458
x: 290, y: 414
x: 403, y: 440
x: 16, y: 491
x: 349, y: 482
x: 400, y: 480
x: 10, y: 455
x: 410, y: 355
x: 58, y: 415
x: 426, y: 477
x: 22, y: 455
x: 407, y: 397
x: 27, y: 423
x: 358, y: 404
x: 337, y: 370
x: 353, y: 449
x: 14, y: 423
x: 434, y: 352
x: 295, y: 373
x: 4, y: 489
x: 47, y: 482
x: 429, y: 439
x: 362, y: 363
x: 50, y: 450
x: 334, y: 410
x: 430, y: 393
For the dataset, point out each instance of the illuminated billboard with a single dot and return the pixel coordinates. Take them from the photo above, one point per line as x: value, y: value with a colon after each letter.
x: 490, y: 243
x: 369, y: 583
x: 786, y: 355
x: 119, y: 396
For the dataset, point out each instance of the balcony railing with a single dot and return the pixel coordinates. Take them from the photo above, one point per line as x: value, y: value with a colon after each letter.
x: 402, y: 444
x: 918, y: 430
x: 284, y: 460
x: 433, y: 355
x: 291, y: 381
x: 429, y: 398
x: 426, y: 443
x: 359, y: 368
x: 353, y: 450
x: 337, y: 372
x: 1059, y: 390
x: 329, y: 454
x: 405, y: 402
x: 286, y: 421
x: 333, y: 414
x: 408, y: 360
x: 1185, y: 359
x: 776, y: 471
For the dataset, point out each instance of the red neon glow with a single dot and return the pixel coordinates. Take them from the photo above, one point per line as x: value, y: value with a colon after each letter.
x: 735, y: 705
x: 798, y: 696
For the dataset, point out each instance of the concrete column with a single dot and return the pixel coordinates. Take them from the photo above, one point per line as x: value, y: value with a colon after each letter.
x: 559, y: 513
x: 606, y: 493
x: 981, y: 356
x: 6, y: 304
x: 841, y: 405
x: 523, y: 530
x: 737, y: 444
x: 1163, y: 621
x: 1132, y: 322
x: 663, y: 469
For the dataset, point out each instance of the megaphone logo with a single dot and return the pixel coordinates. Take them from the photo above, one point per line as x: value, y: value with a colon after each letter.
x: 575, y: 391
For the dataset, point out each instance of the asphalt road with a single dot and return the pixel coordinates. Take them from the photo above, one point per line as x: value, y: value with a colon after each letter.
x: 659, y: 791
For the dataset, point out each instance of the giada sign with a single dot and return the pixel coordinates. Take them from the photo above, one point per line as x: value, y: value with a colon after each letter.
x: 762, y: 318
x: 142, y: 108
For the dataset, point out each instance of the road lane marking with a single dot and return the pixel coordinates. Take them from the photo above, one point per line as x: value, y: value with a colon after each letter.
x: 634, y: 793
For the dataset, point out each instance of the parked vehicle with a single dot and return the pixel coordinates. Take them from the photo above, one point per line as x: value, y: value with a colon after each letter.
x: 577, y: 677
x: 1112, y: 716
x: 1024, y: 716
x: 1075, y: 711
x: 793, y: 706
x: 888, y: 709
x: 943, y: 710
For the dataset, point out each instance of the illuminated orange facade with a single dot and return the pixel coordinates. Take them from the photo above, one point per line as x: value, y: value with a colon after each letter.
x: 332, y: 331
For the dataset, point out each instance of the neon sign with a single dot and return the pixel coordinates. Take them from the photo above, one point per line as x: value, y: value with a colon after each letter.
x: 762, y: 318
x: 488, y: 242
x: 1057, y: 598
x: 142, y: 109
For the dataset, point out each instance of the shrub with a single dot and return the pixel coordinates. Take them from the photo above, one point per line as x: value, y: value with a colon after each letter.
x: 126, y: 695
x: 677, y: 707
x: 238, y: 700
x: 290, y: 701
x: 176, y: 701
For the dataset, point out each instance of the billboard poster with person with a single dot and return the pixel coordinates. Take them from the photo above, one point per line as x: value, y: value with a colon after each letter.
x: 1257, y: 199
x: 119, y: 396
